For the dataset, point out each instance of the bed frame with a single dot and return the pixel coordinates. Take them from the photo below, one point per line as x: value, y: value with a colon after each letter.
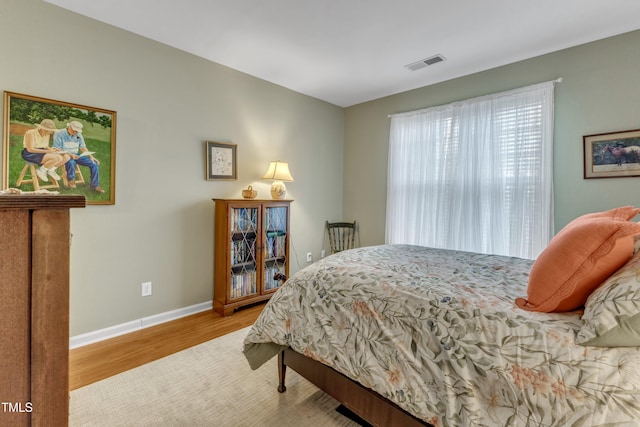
x: 364, y: 402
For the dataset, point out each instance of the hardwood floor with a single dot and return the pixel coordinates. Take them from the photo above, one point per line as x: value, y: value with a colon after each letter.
x: 101, y: 360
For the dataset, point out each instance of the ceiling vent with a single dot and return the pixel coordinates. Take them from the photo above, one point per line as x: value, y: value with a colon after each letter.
x: 425, y: 62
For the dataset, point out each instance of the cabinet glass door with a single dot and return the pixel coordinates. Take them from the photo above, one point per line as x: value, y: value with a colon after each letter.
x: 244, y: 226
x: 275, y: 241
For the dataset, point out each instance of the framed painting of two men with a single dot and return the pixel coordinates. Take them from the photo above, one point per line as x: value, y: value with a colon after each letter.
x: 56, y: 146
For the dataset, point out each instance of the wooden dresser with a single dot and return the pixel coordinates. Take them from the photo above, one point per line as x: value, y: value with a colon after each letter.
x: 34, y: 309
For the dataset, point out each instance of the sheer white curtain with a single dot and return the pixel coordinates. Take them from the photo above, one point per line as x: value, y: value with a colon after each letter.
x: 475, y: 175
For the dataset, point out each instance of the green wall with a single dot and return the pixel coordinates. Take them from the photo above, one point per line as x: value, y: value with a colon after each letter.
x: 168, y: 103
x: 600, y: 93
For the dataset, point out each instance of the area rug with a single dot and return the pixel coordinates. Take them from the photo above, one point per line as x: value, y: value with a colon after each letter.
x: 207, y: 385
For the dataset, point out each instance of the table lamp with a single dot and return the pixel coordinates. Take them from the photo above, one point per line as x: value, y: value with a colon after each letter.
x: 278, y: 172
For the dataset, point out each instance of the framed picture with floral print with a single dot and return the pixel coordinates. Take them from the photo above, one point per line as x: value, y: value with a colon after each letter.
x: 222, y: 160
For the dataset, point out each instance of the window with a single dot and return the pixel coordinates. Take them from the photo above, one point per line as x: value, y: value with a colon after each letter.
x: 475, y: 175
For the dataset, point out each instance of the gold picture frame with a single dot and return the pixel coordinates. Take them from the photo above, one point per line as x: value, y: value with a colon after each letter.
x: 92, y: 176
x: 612, y: 154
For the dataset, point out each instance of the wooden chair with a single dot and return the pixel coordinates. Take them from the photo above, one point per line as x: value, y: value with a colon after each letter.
x: 79, y: 177
x: 32, y: 178
x: 342, y: 235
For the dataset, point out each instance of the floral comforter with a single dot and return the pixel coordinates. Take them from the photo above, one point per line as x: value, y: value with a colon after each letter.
x: 438, y: 333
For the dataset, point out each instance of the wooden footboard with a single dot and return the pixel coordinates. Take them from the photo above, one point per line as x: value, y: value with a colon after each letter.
x: 367, y: 404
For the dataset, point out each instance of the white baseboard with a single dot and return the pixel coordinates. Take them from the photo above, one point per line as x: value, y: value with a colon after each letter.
x: 135, y: 325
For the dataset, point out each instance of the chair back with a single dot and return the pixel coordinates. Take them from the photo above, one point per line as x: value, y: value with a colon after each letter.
x: 342, y: 235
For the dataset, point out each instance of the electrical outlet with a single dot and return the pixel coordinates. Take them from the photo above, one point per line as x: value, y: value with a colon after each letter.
x: 147, y: 289
x: 309, y: 257
x: 323, y: 253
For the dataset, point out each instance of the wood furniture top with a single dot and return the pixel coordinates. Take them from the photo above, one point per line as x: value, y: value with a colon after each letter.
x: 252, y: 200
x: 41, y: 201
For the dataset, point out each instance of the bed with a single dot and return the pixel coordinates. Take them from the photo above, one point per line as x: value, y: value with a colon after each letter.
x: 435, y: 337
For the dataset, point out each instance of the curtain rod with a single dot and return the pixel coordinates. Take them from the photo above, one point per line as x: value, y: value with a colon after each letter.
x: 558, y: 80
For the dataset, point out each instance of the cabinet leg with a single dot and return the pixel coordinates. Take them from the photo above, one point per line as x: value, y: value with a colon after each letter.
x: 222, y: 309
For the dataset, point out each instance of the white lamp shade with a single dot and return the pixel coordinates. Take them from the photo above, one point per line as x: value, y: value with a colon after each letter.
x: 278, y: 171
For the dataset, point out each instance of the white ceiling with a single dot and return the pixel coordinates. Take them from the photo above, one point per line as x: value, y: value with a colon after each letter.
x: 350, y: 51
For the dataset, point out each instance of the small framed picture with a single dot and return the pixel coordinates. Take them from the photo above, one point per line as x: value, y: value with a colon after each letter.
x: 222, y: 160
x: 612, y: 155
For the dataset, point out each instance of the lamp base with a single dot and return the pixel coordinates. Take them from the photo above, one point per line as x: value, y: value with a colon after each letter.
x: 278, y: 190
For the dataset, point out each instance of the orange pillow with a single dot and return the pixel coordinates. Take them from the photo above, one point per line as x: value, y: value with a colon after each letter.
x: 579, y: 258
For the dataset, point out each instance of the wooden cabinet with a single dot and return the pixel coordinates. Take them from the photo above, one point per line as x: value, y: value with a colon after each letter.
x: 34, y: 309
x: 251, y: 247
